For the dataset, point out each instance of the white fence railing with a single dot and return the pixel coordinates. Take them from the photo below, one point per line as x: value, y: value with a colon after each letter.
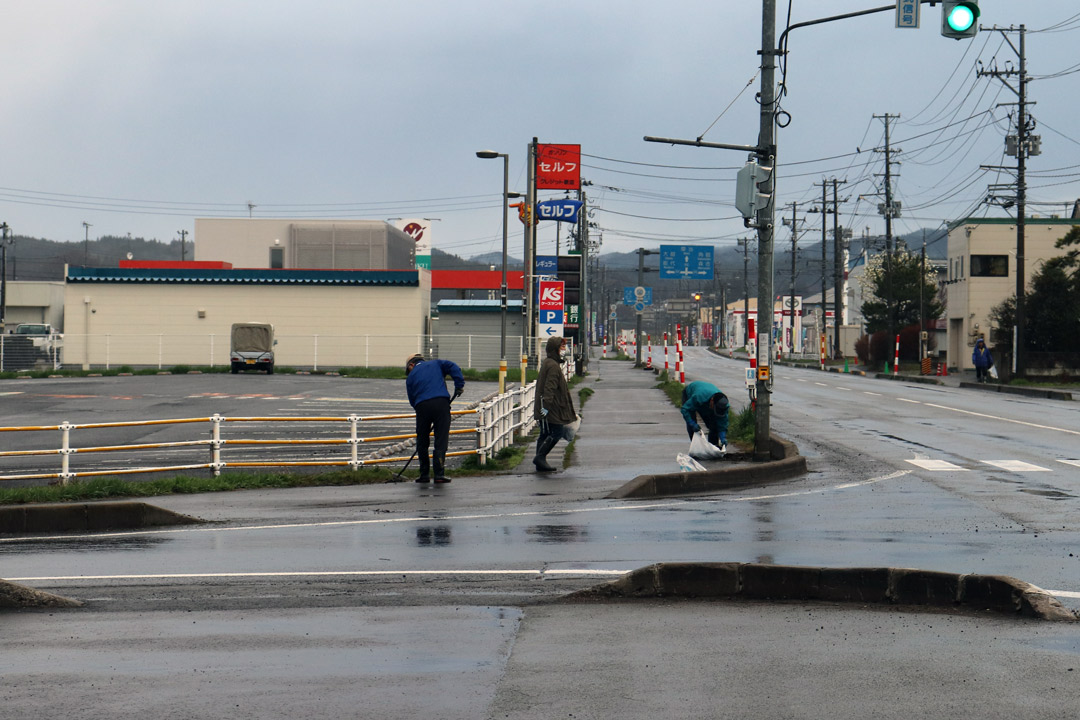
x: 112, y: 350
x: 500, y: 420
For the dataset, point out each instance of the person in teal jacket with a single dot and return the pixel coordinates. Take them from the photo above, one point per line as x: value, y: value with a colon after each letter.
x: 705, y: 399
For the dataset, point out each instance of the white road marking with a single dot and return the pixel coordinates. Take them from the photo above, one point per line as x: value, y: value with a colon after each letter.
x: 821, y: 384
x: 867, y: 392
x: 1069, y: 462
x: 1016, y: 466
x: 913, y: 402
x: 328, y: 573
x: 450, y: 518
x: 937, y: 465
x: 1064, y: 593
x: 1004, y: 419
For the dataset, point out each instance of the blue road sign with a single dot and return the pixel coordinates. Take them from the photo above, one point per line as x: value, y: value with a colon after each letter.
x: 686, y: 261
x: 551, y: 317
x: 629, y: 297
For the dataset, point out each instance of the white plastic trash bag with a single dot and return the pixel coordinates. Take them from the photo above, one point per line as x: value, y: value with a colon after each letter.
x: 688, y: 464
x: 570, y: 430
x: 702, y: 449
x: 993, y: 372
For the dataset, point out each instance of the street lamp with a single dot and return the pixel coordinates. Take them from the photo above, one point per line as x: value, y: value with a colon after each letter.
x: 491, y: 155
x: 5, y: 240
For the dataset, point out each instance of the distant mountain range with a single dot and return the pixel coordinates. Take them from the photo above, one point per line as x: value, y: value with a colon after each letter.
x: 39, y: 259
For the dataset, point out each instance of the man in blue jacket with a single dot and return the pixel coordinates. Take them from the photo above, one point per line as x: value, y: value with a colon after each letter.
x: 982, y: 360
x: 705, y: 399
x: 426, y: 383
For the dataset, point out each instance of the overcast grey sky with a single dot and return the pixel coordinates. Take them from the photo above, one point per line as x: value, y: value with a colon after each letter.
x: 139, y: 117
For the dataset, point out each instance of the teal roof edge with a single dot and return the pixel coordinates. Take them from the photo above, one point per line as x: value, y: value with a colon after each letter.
x: 241, y: 276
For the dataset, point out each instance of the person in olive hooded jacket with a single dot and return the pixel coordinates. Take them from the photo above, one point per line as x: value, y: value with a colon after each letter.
x: 553, y: 407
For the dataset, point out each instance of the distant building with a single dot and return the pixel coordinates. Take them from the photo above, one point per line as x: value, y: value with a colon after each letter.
x: 304, y: 244
x: 982, y: 273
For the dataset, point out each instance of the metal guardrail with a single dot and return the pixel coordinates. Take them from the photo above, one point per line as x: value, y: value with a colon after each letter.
x: 499, y: 421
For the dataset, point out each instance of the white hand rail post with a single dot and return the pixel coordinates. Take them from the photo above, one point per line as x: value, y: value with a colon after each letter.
x: 215, y: 443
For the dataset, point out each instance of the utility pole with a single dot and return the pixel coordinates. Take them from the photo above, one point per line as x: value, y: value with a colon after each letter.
x: 838, y: 272
x: 745, y: 244
x: 183, y: 234
x: 1026, y: 145
x: 86, y: 243
x: 766, y: 156
x: 922, y: 307
x: 5, y: 240
x: 794, y: 273
x: 889, y: 210
x: 824, y: 253
x: 583, y: 301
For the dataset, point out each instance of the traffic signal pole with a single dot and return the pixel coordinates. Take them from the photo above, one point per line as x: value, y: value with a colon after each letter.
x: 765, y: 155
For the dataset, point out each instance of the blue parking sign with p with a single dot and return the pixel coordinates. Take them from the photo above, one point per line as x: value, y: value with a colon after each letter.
x: 551, y: 317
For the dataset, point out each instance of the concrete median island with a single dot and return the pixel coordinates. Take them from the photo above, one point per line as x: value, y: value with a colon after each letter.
x: 786, y: 463
x: 88, y: 516
x: 887, y: 586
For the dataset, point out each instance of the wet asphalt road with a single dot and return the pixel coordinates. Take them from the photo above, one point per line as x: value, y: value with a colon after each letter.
x: 388, y: 593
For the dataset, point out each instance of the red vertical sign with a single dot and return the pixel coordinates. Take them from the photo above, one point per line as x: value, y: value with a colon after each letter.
x: 558, y: 167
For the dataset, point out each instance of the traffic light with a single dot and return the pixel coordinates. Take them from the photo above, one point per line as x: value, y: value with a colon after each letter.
x: 697, y: 297
x: 959, y: 20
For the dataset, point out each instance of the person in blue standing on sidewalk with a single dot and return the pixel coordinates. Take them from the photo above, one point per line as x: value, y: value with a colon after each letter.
x: 704, y: 399
x: 982, y: 360
x: 425, y: 381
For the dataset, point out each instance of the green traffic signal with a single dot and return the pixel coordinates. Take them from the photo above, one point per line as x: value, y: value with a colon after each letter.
x: 958, y: 19
x: 961, y: 18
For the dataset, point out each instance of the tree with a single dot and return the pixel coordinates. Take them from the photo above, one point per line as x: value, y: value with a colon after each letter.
x: 1051, y: 305
x: 907, y: 280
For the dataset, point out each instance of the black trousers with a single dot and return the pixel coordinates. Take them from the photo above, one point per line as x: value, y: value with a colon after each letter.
x: 431, y: 415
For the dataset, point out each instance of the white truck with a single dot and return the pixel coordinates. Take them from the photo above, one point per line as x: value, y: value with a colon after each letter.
x: 252, y: 347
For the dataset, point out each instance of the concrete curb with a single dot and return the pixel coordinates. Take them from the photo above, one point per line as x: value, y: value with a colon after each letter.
x: 787, y: 463
x: 892, y: 586
x: 18, y: 596
x: 71, y: 517
x: 923, y: 379
x: 1035, y: 392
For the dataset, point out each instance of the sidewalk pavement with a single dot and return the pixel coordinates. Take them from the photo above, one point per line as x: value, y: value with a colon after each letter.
x: 630, y: 431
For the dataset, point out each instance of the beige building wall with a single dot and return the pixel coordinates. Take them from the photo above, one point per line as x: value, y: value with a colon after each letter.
x: 970, y: 299
x: 141, y: 324
x: 32, y: 301
x: 249, y: 243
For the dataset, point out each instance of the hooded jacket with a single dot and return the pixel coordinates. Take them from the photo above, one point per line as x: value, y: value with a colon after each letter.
x: 980, y: 356
x: 552, y: 392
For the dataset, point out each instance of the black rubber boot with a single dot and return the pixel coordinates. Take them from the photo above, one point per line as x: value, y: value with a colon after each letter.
x: 542, y: 449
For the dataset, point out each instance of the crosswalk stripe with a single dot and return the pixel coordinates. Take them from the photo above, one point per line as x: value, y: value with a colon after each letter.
x: 936, y: 465
x: 1016, y: 466
x: 1069, y: 462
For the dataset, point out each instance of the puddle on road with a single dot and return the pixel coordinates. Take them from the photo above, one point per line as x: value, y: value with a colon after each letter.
x: 1052, y: 494
x: 557, y: 533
